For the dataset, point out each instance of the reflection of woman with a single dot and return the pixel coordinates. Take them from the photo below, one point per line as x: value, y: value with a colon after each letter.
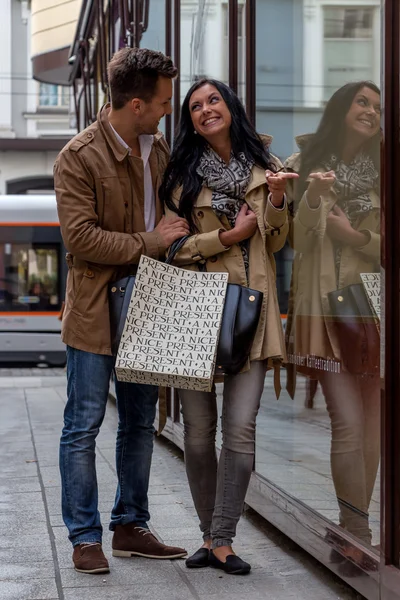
x: 335, y: 231
x: 216, y: 180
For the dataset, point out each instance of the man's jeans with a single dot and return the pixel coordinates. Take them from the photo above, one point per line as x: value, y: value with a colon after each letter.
x: 88, y: 384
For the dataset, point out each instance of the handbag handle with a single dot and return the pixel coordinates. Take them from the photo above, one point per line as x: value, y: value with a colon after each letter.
x: 175, y: 247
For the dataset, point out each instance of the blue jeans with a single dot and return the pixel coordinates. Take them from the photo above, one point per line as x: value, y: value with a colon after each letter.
x: 88, y: 385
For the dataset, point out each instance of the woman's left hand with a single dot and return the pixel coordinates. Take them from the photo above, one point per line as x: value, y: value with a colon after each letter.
x: 277, y: 185
x: 339, y: 229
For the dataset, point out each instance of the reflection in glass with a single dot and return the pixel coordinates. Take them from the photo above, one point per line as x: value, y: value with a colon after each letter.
x: 320, y: 441
x: 204, y: 25
x: 154, y: 36
x: 335, y: 232
x: 348, y: 32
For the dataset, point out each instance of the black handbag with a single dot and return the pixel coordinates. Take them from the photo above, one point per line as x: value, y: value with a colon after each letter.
x: 357, y: 329
x: 239, y: 325
x: 239, y: 320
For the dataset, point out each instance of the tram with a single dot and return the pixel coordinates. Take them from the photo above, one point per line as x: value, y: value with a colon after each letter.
x: 32, y: 281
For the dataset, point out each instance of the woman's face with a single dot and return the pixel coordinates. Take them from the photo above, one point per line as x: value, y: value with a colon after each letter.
x: 209, y: 112
x: 363, y: 118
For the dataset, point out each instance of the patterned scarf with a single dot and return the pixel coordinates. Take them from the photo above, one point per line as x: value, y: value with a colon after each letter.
x: 353, y: 184
x: 228, y: 184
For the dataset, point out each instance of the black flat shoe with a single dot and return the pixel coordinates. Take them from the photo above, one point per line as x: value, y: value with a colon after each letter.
x: 233, y: 565
x: 199, y: 559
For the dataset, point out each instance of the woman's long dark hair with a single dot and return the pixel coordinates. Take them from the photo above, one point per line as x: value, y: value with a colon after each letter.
x: 330, y: 136
x: 188, y: 149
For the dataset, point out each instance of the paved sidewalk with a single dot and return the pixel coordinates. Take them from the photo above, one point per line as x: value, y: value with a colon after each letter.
x: 35, y: 554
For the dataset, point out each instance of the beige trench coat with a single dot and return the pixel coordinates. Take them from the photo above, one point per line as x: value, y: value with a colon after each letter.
x: 269, y: 237
x: 310, y: 330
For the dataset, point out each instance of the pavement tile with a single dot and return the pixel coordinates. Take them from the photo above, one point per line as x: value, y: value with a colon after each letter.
x: 131, y: 592
x: 35, y: 589
x: 126, y: 572
x: 214, y: 581
x: 177, y: 533
x: 19, y: 468
x: 16, y: 571
x: 19, y: 485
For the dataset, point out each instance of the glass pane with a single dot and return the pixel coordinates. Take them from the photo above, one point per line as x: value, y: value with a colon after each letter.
x: 65, y: 95
x: 48, y: 95
x: 28, y: 278
x: 201, y: 24
x: 341, y: 22
x: 320, y: 442
x: 154, y: 36
x: 242, y: 52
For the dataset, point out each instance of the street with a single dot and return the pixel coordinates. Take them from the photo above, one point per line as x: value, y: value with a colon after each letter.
x: 35, y: 554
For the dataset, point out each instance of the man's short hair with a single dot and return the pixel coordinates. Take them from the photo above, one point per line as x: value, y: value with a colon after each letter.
x: 134, y: 72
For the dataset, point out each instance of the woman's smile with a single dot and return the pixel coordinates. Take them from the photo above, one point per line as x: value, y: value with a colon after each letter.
x: 211, y: 121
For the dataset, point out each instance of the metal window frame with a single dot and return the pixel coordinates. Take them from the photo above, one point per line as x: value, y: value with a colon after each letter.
x: 390, y: 492
x: 251, y: 60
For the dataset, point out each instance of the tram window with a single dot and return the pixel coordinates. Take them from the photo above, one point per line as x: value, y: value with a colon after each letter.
x: 29, y: 278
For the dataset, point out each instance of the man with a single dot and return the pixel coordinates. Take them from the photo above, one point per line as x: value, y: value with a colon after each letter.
x: 106, y: 183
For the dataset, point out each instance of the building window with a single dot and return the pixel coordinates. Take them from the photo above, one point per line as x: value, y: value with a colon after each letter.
x: 349, y: 49
x: 54, y: 95
x: 241, y: 46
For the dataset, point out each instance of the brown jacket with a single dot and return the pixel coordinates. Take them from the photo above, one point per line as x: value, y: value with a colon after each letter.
x: 100, y: 199
x: 310, y: 329
x: 269, y: 238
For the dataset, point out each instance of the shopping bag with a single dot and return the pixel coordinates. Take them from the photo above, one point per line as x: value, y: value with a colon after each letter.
x: 172, y: 327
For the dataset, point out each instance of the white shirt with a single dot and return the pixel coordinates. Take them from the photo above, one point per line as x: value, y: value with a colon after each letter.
x: 146, y: 144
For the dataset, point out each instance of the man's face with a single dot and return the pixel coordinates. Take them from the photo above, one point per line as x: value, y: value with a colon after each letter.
x: 160, y: 105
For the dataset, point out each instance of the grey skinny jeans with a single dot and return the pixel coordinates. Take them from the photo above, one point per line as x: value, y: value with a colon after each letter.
x: 219, y: 489
x: 354, y: 408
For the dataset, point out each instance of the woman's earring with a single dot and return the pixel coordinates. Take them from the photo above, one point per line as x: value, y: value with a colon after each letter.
x: 195, y: 132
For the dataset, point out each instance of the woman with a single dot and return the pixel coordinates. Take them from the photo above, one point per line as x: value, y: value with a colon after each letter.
x: 335, y: 224
x: 223, y: 180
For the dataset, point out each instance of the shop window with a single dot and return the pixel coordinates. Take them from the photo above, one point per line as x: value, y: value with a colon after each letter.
x: 310, y: 443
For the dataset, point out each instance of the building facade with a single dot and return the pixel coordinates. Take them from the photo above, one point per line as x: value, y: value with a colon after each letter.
x: 34, y: 115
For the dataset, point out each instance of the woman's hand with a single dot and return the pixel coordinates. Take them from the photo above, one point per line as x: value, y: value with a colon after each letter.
x: 277, y: 186
x: 339, y: 229
x: 320, y: 185
x: 245, y: 227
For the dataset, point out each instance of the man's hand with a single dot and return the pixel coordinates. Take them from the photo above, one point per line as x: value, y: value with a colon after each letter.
x: 339, y: 229
x: 171, y: 229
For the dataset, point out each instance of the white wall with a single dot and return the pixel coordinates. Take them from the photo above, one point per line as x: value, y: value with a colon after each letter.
x: 19, y: 114
x: 14, y: 165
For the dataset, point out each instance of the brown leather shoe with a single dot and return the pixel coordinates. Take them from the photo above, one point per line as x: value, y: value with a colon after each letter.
x: 89, y: 558
x: 131, y: 540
